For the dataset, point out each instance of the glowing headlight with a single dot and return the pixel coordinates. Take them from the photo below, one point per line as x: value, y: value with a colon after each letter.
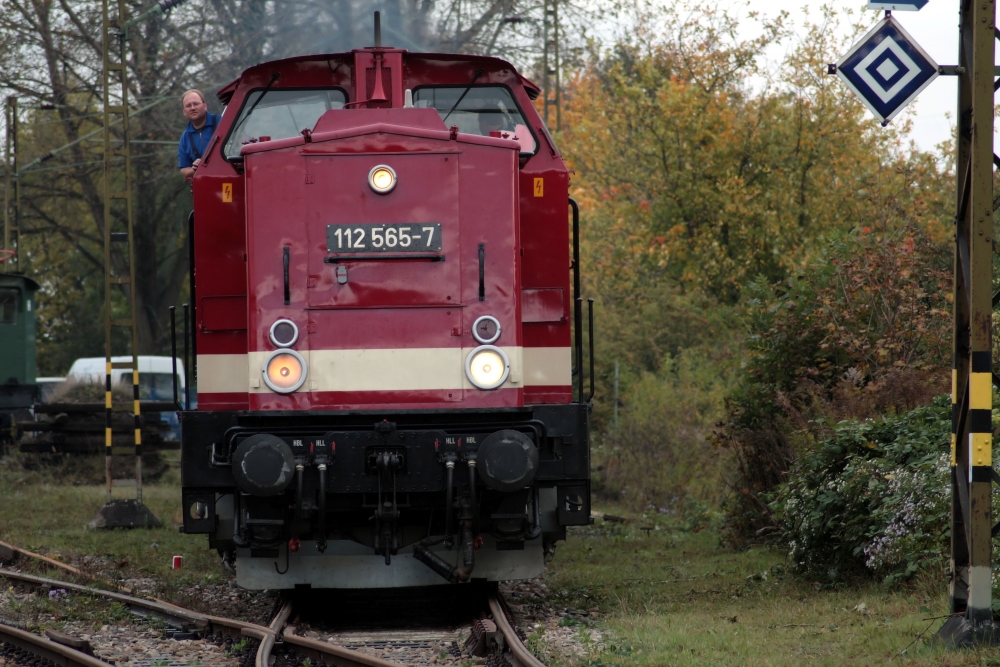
x: 487, y: 367
x: 284, y: 333
x: 284, y: 371
x: 382, y: 179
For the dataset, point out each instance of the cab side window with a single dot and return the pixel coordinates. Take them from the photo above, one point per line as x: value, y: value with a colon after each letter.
x: 8, y: 306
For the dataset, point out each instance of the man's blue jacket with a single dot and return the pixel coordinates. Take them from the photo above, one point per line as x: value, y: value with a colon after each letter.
x: 194, y: 142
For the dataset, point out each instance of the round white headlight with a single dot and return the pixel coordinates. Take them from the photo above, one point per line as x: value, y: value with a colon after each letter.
x: 382, y: 179
x: 284, y: 371
x: 284, y: 333
x: 487, y: 367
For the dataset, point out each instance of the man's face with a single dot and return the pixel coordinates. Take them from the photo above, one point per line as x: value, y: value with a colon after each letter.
x: 195, y: 109
x: 490, y: 122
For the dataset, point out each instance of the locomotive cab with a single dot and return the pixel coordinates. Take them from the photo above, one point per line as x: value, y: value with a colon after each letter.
x: 383, y: 343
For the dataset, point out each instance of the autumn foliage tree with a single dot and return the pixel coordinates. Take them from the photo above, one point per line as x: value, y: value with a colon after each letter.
x: 703, y: 169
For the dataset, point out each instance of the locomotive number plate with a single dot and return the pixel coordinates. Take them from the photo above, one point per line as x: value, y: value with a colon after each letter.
x: 414, y: 237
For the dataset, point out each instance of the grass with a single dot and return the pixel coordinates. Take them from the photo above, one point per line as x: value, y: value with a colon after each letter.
x: 679, y: 598
x: 51, y: 519
x: 667, y: 596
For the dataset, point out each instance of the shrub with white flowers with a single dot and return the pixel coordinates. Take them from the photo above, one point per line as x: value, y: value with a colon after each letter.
x: 874, y: 499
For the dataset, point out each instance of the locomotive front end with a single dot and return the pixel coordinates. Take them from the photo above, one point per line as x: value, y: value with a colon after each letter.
x: 373, y: 411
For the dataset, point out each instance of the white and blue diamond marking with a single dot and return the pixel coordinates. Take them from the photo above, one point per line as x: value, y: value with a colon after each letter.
x: 887, y: 69
x: 897, y: 5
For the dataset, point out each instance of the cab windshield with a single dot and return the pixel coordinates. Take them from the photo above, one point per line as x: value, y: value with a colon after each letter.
x: 281, y: 114
x: 484, y: 110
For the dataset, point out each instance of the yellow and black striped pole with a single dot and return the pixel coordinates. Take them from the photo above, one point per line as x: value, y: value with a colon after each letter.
x: 972, y: 371
x: 138, y: 434
x: 107, y: 425
x: 120, y: 294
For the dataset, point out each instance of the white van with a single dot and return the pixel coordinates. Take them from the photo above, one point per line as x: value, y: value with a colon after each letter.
x: 48, y: 386
x: 155, y: 381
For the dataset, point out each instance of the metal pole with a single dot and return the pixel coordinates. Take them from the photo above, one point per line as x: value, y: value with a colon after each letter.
x: 173, y: 355
x: 9, y: 138
x: 108, y: 316
x: 15, y: 228
x: 545, y: 61
x: 972, y: 376
x: 118, y: 198
x: 616, y: 397
x: 558, y: 65
x: 187, y: 364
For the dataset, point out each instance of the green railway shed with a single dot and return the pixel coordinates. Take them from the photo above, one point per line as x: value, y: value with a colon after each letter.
x: 17, y: 329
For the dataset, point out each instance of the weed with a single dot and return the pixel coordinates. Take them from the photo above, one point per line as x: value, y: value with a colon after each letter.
x: 534, y: 640
x: 237, y: 647
x: 119, y: 612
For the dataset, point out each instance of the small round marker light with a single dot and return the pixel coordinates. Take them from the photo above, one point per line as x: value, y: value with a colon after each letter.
x: 486, y: 329
x: 284, y: 333
x: 382, y: 179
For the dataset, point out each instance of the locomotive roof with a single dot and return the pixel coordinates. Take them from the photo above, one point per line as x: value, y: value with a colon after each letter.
x: 18, y: 279
x: 488, y: 64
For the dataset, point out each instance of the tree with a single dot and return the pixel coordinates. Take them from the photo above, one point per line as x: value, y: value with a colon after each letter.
x: 696, y: 184
x: 57, y: 63
x: 51, y: 57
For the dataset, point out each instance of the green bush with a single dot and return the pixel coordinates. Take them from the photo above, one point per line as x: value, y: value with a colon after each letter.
x: 862, y: 333
x: 659, y: 454
x: 873, y: 499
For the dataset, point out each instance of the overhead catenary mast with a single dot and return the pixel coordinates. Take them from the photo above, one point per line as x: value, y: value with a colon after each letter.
x: 551, y: 69
x: 972, y: 472
x: 11, y: 204
x: 120, y: 297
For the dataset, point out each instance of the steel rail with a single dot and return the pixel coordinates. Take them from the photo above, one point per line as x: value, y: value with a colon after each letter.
x: 61, y: 655
x: 332, y: 654
x: 267, y: 641
x: 166, y: 610
x: 518, y: 650
x: 9, y: 552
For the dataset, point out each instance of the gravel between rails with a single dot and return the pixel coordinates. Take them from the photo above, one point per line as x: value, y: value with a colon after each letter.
x: 133, y: 642
x: 556, y: 632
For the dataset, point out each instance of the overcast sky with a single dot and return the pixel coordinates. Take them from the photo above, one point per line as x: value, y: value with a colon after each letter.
x: 934, y: 28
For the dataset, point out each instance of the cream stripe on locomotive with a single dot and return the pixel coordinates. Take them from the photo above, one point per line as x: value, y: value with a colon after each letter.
x: 403, y: 369
x: 222, y: 373
x: 547, y: 366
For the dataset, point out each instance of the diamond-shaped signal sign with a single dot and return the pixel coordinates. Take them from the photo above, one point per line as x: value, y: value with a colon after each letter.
x: 897, y: 5
x: 887, y: 69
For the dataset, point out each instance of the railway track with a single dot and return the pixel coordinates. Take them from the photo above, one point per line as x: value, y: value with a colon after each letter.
x: 490, y: 637
x: 25, y: 645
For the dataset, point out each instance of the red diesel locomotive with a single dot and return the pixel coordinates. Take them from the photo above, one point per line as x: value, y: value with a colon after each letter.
x: 384, y: 294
